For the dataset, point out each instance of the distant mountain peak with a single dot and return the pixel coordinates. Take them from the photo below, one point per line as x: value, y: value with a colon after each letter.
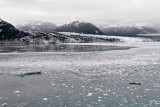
x: 39, y: 26
x: 75, y: 23
x: 79, y: 27
x: 130, y: 30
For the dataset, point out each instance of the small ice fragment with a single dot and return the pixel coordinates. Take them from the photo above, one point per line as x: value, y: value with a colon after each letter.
x: 99, y: 97
x: 82, y: 86
x: 45, y: 99
x: 124, y: 100
x: 154, y: 102
x: 156, y: 85
x: 63, y: 84
x: 4, y: 104
x: 105, y: 94
x: 89, y: 94
x: 147, y: 89
x: 79, y: 101
x: 17, y: 92
x: 99, y: 100
x: 53, y: 84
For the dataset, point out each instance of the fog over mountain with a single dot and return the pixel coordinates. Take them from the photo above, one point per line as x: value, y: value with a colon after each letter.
x: 103, y: 12
x: 130, y: 30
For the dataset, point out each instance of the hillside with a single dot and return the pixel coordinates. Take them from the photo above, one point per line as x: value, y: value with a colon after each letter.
x: 80, y: 27
x: 7, y: 30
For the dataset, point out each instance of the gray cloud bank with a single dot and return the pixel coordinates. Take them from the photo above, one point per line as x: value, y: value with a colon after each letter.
x: 95, y: 11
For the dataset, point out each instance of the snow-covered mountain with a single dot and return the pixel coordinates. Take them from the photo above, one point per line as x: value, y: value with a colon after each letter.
x: 80, y: 27
x: 37, y: 26
x: 7, y: 30
x: 10, y: 33
x: 130, y: 30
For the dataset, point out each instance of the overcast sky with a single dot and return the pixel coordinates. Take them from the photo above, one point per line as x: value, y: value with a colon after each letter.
x: 99, y: 12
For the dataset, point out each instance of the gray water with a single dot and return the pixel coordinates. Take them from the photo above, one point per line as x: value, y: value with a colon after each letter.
x: 5, y: 48
x: 79, y: 76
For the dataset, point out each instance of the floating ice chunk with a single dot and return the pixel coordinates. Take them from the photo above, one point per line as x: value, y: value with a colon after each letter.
x: 53, y: 84
x: 99, y: 100
x: 17, y: 92
x: 154, y: 103
x: 89, y: 94
x: 105, y: 94
x: 124, y: 100
x: 4, y: 104
x: 156, y: 85
x: 148, y: 89
x: 28, y: 73
x: 99, y: 97
x: 45, y: 99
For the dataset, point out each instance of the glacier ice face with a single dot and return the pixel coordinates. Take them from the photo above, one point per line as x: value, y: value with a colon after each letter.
x: 122, y: 39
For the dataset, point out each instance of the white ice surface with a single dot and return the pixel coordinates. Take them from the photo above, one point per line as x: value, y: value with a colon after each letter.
x: 145, y: 53
x: 121, y: 38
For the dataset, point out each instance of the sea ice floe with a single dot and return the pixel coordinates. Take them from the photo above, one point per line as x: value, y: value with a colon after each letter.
x: 53, y: 84
x: 99, y: 97
x: 63, y: 84
x: 154, y: 103
x: 89, y: 94
x: 4, y: 104
x: 105, y: 94
x: 99, y: 100
x: 45, y: 99
x: 148, y: 89
x: 17, y: 92
x: 156, y: 85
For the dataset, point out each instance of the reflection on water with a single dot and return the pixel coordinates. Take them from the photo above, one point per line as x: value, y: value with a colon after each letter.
x: 57, y: 48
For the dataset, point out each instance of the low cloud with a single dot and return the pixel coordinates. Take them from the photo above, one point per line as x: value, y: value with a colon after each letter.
x: 97, y: 12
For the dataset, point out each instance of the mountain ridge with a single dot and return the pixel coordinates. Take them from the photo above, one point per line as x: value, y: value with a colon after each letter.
x: 80, y: 27
x: 130, y: 30
x: 39, y: 26
x: 7, y: 30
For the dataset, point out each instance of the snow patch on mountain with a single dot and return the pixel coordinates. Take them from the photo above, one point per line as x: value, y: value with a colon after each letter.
x: 39, y: 26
